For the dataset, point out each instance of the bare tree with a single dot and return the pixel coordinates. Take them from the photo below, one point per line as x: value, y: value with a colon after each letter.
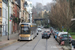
x: 59, y: 14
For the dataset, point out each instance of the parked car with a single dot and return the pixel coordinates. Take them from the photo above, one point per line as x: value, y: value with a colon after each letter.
x: 65, y: 37
x: 39, y: 29
x: 48, y: 32
x: 45, y: 34
x: 42, y: 27
x: 59, y: 34
x: 73, y: 44
x: 55, y: 36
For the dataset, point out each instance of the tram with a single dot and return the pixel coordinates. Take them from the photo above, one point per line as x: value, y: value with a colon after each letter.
x: 28, y: 31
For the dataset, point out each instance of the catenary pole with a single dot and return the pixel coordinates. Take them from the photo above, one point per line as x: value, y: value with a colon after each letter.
x: 8, y: 20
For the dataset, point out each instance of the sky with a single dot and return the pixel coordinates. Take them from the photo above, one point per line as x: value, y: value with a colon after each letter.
x: 44, y: 2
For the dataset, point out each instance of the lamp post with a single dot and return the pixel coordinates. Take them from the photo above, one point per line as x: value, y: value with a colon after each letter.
x: 8, y: 20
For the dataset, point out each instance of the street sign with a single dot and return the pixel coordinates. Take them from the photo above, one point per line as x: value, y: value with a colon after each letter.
x: 62, y: 26
x: 9, y: 20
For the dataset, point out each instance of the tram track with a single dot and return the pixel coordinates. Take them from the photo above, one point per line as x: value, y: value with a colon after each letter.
x: 22, y: 45
x: 46, y: 44
x: 36, y: 44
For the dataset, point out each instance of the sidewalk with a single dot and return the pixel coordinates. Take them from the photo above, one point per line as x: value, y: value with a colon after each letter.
x: 12, y: 39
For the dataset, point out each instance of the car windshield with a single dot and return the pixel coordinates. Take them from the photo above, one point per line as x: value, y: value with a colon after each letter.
x: 39, y: 28
x: 45, y: 33
x: 48, y: 32
x: 64, y: 35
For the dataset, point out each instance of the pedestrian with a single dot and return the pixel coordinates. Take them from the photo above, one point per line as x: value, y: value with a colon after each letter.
x: 62, y: 43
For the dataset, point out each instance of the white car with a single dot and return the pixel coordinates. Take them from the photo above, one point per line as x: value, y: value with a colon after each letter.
x: 42, y: 27
x: 39, y: 29
x: 60, y: 33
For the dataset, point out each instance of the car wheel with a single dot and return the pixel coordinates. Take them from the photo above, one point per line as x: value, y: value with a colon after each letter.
x: 59, y: 43
x: 70, y: 42
x: 42, y: 37
x: 37, y: 33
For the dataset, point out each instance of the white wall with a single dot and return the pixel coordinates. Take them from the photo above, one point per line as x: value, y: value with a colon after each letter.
x: 10, y: 22
x: 4, y: 18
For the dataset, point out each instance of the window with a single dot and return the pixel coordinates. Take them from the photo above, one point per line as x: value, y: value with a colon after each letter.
x: 30, y: 5
x: 0, y: 12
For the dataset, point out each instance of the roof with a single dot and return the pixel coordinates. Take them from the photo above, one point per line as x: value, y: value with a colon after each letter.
x: 62, y: 33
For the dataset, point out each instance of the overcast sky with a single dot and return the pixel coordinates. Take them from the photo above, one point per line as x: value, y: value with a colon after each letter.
x: 44, y: 2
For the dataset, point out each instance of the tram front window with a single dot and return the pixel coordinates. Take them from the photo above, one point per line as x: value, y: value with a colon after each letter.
x: 25, y: 30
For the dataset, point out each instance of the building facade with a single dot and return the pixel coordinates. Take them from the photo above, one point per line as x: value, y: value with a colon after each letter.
x: 29, y: 10
x: 0, y: 17
x: 22, y: 10
x: 4, y: 17
x: 16, y: 8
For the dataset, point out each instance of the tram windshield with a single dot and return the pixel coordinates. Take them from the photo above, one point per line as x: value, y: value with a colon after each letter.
x: 25, y: 30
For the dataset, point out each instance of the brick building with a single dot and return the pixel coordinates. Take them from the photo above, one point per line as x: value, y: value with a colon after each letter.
x: 16, y: 9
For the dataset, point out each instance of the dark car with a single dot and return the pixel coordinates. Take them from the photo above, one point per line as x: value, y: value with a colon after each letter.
x: 64, y: 37
x: 45, y: 35
x: 54, y: 34
x: 73, y: 44
x: 49, y: 32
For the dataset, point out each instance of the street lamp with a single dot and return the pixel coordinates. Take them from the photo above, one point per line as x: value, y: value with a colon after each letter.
x: 8, y: 20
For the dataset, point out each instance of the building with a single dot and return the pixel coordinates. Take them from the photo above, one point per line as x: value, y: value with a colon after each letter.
x: 25, y: 14
x: 10, y: 16
x: 22, y: 10
x: 0, y: 17
x: 29, y: 10
x: 4, y: 17
x: 16, y: 11
x: 42, y: 13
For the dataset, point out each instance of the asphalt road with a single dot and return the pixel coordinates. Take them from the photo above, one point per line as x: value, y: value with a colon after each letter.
x: 37, y: 44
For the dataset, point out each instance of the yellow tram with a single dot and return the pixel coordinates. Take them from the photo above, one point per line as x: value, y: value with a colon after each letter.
x: 27, y: 31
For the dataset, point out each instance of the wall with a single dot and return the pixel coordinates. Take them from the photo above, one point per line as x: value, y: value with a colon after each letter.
x: 1, y: 19
x: 10, y: 13
x: 4, y: 18
x: 16, y: 14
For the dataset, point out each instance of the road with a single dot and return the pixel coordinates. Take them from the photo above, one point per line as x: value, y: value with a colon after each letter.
x: 37, y: 44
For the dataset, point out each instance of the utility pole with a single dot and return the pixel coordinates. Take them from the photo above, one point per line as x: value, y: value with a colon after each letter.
x: 67, y: 24
x: 8, y: 20
x: 68, y: 13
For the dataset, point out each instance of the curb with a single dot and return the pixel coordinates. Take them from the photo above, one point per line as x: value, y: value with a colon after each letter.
x: 4, y: 45
x: 65, y: 48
